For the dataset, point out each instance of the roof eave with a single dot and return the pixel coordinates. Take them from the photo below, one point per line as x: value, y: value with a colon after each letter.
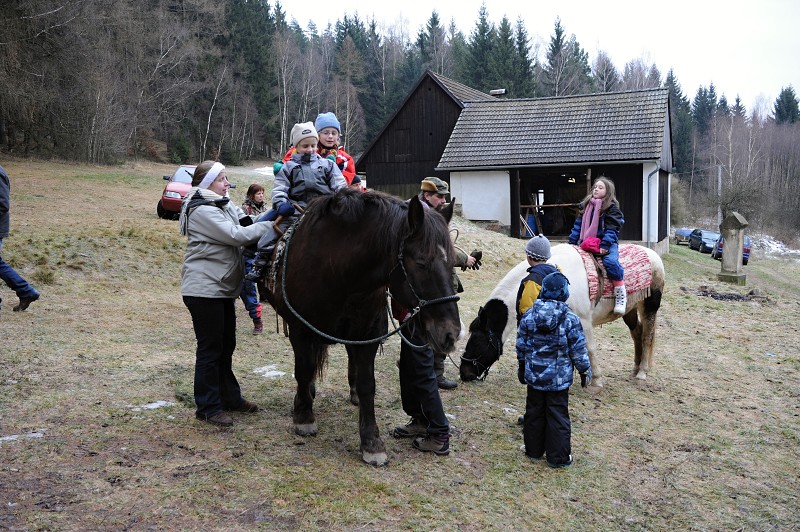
x: 547, y: 165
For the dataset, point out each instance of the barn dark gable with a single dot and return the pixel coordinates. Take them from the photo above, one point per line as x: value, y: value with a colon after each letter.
x: 410, y: 145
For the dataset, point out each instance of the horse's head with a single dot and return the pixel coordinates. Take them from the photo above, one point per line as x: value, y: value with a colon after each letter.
x: 485, y: 343
x: 427, y: 260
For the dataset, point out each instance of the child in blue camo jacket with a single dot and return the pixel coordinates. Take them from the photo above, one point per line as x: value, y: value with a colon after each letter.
x: 550, y: 345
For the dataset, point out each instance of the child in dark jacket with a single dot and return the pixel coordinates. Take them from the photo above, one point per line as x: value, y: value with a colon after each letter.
x: 597, y: 230
x: 305, y: 176
x: 537, y: 252
x: 550, y: 345
x: 329, y: 130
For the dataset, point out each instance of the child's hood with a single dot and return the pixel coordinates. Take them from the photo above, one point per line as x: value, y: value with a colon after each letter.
x: 548, y: 314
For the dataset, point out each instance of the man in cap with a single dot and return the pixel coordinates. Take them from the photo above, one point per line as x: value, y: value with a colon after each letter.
x: 433, y: 193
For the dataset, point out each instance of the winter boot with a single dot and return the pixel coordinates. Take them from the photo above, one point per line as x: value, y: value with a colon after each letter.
x: 415, y: 427
x: 620, y: 299
x: 260, y: 265
x: 438, y: 365
x: 437, y: 444
x: 258, y: 326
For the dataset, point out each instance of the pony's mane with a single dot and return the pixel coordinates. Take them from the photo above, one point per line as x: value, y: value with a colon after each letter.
x: 383, y: 215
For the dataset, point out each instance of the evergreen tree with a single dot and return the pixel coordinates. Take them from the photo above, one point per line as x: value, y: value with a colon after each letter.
x: 432, y: 45
x: 567, y: 68
x: 523, y: 64
x: 501, y: 61
x: 374, y: 96
x: 703, y: 107
x: 459, y: 52
x: 738, y: 110
x: 479, y: 46
x: 786, y: 107
x: 682, y: 125
x: 253, y: 27
x: 723, y: 110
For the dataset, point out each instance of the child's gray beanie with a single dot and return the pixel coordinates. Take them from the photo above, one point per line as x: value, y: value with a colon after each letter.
x: 538, y: 248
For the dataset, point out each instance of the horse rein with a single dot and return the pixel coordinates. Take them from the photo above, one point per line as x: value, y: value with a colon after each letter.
x: 421, y: 303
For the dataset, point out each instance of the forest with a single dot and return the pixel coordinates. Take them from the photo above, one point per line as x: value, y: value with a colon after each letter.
x: 102, y: 81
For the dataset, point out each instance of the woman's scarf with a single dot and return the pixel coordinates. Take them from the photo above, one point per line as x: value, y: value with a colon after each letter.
x: 254, y: 208
x: 195, y: 198
x: 591, y: 219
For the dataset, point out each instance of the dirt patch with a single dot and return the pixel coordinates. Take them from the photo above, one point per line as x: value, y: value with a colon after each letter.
x: 708, y: 291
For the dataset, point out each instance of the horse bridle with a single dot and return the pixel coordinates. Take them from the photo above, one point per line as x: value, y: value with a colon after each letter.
x: 496, y: 344
x: 421, y: 303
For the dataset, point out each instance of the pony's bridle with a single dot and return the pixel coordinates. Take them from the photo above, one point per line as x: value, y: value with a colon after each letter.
x: 496, y: 344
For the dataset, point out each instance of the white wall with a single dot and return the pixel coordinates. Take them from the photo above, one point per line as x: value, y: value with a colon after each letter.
x: 482, y: 195
x: 650, y: 202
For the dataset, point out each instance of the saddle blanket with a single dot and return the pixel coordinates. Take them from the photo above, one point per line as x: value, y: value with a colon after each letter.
x: 638, y: 273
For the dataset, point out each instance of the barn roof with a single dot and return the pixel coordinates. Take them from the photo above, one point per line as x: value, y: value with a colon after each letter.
x: 593, y: 128
x: 459, y: 91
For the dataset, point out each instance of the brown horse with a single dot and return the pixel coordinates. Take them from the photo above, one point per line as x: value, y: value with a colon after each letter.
x: 331, y: 285
x: 496, y: 320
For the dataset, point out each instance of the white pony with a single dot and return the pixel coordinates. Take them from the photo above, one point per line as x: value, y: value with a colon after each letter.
x: 496, y: 320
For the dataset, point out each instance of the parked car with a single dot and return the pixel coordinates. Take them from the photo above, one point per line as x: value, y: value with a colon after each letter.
x: 716, y: 253
x: 178, y: 184
x: 703, y: 240
x: 682, y: 235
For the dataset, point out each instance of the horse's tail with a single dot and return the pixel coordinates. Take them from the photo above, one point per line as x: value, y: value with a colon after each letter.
x: 319, y: 352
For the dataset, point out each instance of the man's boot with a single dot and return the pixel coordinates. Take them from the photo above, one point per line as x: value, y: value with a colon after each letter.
x: 438, y: 365
x: 620, y: 299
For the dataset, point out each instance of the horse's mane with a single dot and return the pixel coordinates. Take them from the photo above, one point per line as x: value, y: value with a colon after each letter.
x: 380, y: 218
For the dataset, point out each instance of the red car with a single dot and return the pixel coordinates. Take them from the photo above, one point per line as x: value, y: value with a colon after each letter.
x: 178, y: 184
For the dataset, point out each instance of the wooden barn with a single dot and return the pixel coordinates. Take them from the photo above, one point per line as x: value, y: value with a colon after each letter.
x: 525, y: 163
x: 411, y: 143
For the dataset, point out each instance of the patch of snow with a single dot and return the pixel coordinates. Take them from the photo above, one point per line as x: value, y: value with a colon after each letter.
x: 14, y: 437
x: 771, y: 246
x: 152, y: 406
x: 270, y: 372
x: 265, y: 171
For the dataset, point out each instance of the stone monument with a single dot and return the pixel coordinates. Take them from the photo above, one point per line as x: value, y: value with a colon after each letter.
x: 732, y: 230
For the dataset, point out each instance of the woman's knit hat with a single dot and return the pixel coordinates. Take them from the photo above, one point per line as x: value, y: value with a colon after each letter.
x: 303, y: 131
x: 555, y: 286
x: 327, y: 120
x: 538, y: 248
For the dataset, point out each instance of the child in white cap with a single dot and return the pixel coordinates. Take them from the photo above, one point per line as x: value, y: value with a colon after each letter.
x: 302, y: 178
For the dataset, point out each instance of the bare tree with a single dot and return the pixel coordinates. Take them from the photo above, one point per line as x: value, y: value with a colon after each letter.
x: 606, y: 76
x: 637, y: 76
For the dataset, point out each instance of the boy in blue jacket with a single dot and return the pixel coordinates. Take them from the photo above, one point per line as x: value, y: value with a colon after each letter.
x: 550, y: 345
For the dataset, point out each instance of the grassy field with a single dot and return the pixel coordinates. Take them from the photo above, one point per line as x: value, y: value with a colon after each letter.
x: 710, y: 442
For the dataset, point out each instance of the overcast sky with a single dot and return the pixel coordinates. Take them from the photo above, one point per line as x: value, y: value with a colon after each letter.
x: 746, y: 48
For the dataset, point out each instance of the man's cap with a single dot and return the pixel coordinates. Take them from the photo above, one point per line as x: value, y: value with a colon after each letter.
x: 434, y: 184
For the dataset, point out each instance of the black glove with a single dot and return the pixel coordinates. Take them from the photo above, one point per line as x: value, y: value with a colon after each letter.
x: 478, y: 256
x: 521, y: 372
x: 244, y: 221
x: 583, y: 380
